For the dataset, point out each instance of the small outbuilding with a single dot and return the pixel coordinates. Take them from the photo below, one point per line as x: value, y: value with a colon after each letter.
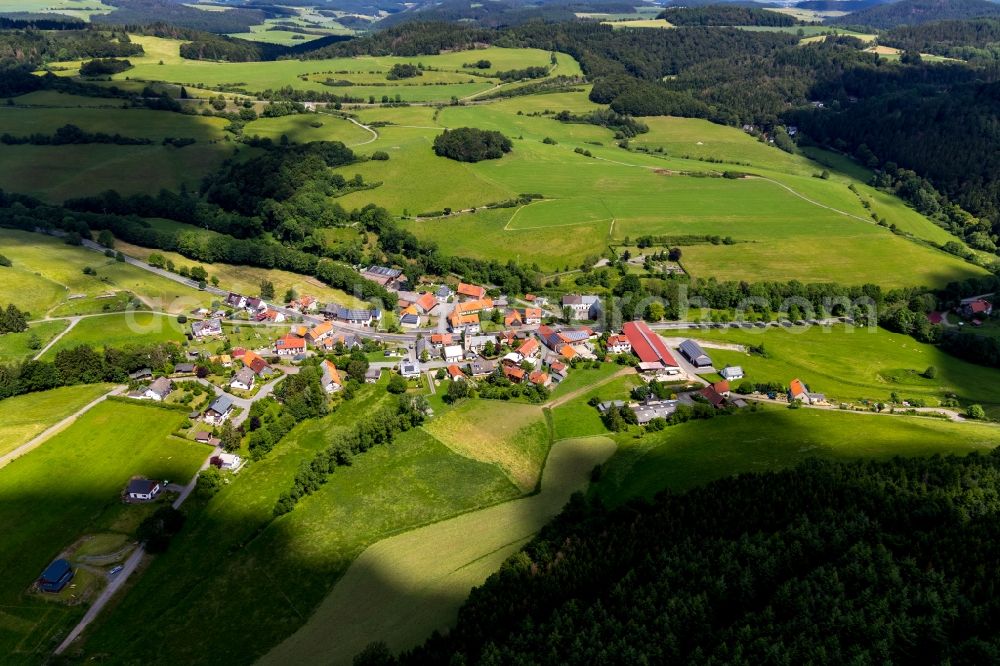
x: 56, y: 576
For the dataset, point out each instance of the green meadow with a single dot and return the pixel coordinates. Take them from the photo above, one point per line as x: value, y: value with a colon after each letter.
x: 47, y: 278
x: 15, y: 347
x: 133, y: 123
x: 851, y: 365
x: 278, y: 572
x: 695, y: 453
x: 116, y: 330
x: 301, y: 129
x: 68, y: 487
x: 82, y: 9
x: 26, y: 416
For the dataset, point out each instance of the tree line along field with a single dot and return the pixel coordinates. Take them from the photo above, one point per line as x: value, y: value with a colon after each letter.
x: 17, y: 347
x: 116, y: 330
x: 47, y: 278
x: 853, y: 365
x: 68, y: 487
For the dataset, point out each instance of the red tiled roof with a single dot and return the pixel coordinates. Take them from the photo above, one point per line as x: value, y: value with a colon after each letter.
x: 290, y: 342
x: 427, y: 302
x: 713, y: 396
x: 512, y: 372
x: 796, y: 387
x: 455, y: 371
x: 646, y: 344
x: 979, y: 306
x: 441, y: 338
x: 471, y: 290
x: 721, y: 387
x: 539, y: 377
x: 529, y: 346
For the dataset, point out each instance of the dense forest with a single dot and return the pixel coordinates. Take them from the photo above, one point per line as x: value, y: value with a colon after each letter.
x: 234, y: 19
x: 724, y: 15
x: 913, y: 12
x: 866, y: 562
x: 973, y: 40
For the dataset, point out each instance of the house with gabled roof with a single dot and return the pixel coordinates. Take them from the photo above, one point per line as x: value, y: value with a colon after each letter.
x: 540, y: 378
x: 318, y: 332
x: 158, y: 390
x: 797, y: 390
x: 650, y: 348
x: 976, y: 308
x: 56, y: 576
x: 427, y: 302
x: 253, y: 361
x: 455, y: 373
x: 236, y: 301
x: 452, y: 353
x: 529, y: 348
x: 219, y: 410
x: 513, y: 373
x: 410, y: 317
x: 243, y: 379
x: 731, y: 373
x: 513, y: 318
x: 714, y: 397
x: 583, y: 306
x: 471, y: 291
x: 206, y: 328
x: 330, y: 380
x: 619, y: 344
x: 142, y: 490
x: 289, y: 345
x: 458, y: 322
x: 390, y: 278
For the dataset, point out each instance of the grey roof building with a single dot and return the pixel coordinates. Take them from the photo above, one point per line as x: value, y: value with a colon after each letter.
x: 693, y: 352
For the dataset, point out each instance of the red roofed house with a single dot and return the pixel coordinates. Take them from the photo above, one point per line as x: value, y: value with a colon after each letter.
x: 540, y: 378
x: 532, y: 316
x: 455, y: 373
x: 255, y: 362
x: 797, y: 391
x: 238, y: 352
x: 331, y: 377
x: 513, y: 373
x: 977, y: 308
x: 289, y: 345
x: 529, y: 347
x: 513, y: 318
x: 713, y: 397
x: 619, y: 344
x: 427, y: 302
x: 441, y: 339
x: 722, y: 388
x: 648, y: 346
x: 471, y: 290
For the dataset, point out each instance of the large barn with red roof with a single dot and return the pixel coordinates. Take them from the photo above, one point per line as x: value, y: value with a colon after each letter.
x: 647, y: 345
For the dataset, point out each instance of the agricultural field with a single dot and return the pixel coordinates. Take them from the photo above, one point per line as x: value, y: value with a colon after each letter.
x: 47, y: 278
x: 116, y: 330
x: 697, y: 452
x: 404, y: 587
x: 512, y: 436
x: 23, y: 120
x: 26, y: 416
x: 16, y: 347
x: 277, y: 572
x: 857, y: 364
x: 575, y: 418
x: 303, y: 128
x: 68, y: 487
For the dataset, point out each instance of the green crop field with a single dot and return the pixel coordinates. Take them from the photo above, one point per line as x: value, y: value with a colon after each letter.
x: 852, y: 365
x: 513, y: 437
x: 276, y: 573
x: 47, y: 276
x: 68, y: 487
x: 82, y: 9
x: 695, y: 453
x: 25, y: 416
x: 404, y: 587
x: 15, y: 347
x: 116, y: 330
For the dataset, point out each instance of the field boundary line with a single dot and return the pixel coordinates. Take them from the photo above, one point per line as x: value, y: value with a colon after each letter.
x: 365, y: 127
x: 46, y: 434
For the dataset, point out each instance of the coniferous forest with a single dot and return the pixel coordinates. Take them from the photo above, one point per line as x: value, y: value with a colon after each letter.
x: 867, y: 562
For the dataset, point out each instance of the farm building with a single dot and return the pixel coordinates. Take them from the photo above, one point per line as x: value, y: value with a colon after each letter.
x: 693, y: 352
x: 142, y: 490
x: 653, y: 409
x: 56, y: 576
x: 583, y: 306
x: 390, y: 278
x: 649, y: 347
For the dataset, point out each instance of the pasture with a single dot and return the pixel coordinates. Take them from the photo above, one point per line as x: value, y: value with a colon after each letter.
x: 404, y: 587
x: 23, y: 417
x: 859, y: 364
x: 68, y: 487
x: 116, y: 330
x: 47, y: 277
x: 82, y: 9
x: 512, y: 436
x: 133, y: 123
x: 16, y: 347
x: 301, y: 129
x: 576, y: 418
x: 278, y: 572
x: 697, y: 452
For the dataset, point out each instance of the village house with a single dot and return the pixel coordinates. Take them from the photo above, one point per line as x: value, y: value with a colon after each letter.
x: 289, y: 345
x: 225, y: 360
x: 513, y: 373
x: 714, y: 398
x: 372, y: 375
x: 732, y: 372
x: 474, y: 307
x: 253, y: 361
x: 409, y: 369
x: 467, y: 323
x: 219, y: 410
x: 540, y: 378
x: 142, y: 490
x: 243, y: 379
x: 158, y: 390
x: 427, y: 303
x: 254, y: 305
x: 319, y: 332
x: 359, y: 317
x: 439, y: 340
x: 471, y: 291
x: 558, y: 370
x: 530, y: 348
x: 476, y: 343
x: 480, y: 368
x: 693, y: 352
x: 390, y: 278
x: 410, y: 317
x: 207, y: 328
x: 531, y: 316
x: 976, y: 309
x: 619, y: 344
x: 330, y: 380
x: 797, y: 390
x: 583, y: 306
x: 304, y: 304
x: 452, y: 353
x: 227, y: 461
x: 513, y: 318
x: 235, y: 301
x: 182, y: 369
x: 203, y: 437
x: 722, y: 388
x: 443, y: 293
x: 271, y: 315
x: 455, y: 373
